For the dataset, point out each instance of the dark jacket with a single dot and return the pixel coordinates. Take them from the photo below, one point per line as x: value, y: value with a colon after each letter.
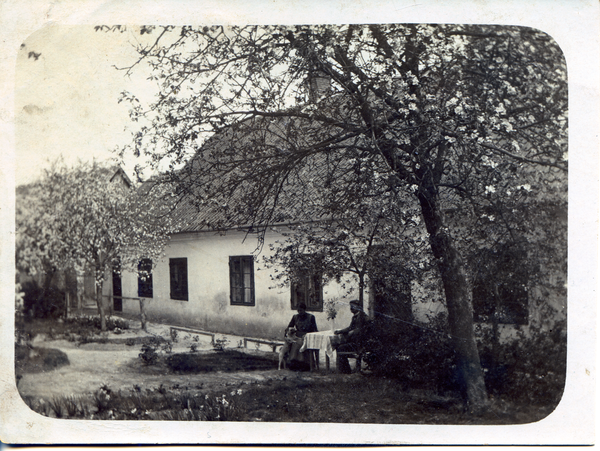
x: 359, y: 320
x: 304, y: 324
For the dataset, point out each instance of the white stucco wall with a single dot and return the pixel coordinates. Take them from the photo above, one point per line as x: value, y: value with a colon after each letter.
x: 208, y: 306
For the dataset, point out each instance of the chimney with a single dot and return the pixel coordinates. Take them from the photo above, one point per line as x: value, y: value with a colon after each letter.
x: 319, y: 84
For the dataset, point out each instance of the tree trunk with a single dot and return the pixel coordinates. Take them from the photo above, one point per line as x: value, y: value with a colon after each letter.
x: 495, y: 327
x: 458, y: 302
x: 361, y: 287
x: 100, y: 304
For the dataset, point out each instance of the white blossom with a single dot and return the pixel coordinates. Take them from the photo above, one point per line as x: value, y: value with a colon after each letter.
x: 500, y: 109
x: 450, y: 103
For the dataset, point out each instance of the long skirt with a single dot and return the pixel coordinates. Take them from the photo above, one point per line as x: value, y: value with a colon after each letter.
x: 294, y: 356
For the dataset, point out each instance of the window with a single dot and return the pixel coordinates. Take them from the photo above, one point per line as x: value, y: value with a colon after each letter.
x: 179, y: 279
x: 509, y: 305
x: 307, y: 284
x: 241, y: 280
x: 145, y: 278
x: 500, y: 286
x: 390, y: 296
x: 117, y: 287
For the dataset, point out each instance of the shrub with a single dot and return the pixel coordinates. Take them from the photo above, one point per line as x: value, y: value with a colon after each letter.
x: 220, y: 344
x: 101, y: 398
x: 148, y: 354
x: 167, y: 347
x: 150, y: 350
x: 530, y: 369
x: 35, y: 360
x: 57, y: 405
x: 420, y: 355
x: 39, y: 303
x: 54, y: 358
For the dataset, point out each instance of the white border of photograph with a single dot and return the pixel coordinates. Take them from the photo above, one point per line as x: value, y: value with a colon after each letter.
x: 573, y: 24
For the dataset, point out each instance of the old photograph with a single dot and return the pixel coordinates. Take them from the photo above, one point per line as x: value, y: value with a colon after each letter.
x: 360, y: 223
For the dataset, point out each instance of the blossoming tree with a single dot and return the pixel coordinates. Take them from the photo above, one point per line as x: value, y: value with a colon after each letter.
x: 78, y: 218
x: 460, y: 118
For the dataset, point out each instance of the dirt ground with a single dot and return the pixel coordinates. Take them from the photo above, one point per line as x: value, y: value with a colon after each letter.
x: 118, y: 366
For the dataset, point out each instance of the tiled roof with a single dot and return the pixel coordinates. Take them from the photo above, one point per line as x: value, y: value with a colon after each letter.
x: 300, y: 198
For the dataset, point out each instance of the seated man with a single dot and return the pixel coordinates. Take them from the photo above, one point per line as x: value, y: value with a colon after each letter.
x: 350, y: 336
x: 302, y: 323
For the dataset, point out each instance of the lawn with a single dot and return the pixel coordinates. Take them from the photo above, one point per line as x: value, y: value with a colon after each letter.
x: 291, y: 397
x: 187, y: 383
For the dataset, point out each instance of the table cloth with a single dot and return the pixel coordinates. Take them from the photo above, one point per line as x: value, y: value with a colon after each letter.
x: 323, y: 341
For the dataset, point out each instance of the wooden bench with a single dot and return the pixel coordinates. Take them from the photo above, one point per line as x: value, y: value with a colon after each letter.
x: 353, y: 355
x: 193, y: 331
x: 273, y: 344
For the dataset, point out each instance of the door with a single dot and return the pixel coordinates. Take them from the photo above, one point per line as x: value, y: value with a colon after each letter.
x: 117, y: 291
x: 392, y: 299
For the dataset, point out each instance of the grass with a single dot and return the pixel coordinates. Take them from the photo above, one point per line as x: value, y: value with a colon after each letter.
x: 297, y: 397
x: 289, y: 397
x: 359, y: 399
x: 335, y: 399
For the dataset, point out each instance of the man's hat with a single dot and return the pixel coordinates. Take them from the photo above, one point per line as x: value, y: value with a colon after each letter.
x: 357, y: 303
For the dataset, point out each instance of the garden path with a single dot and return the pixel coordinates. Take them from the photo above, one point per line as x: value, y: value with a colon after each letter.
x: 118, y: 366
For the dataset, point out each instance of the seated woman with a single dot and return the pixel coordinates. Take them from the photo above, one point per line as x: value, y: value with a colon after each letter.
x: 302, y: 323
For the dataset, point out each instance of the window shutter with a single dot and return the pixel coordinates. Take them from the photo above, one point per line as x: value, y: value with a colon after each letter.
x: 231, y: 281
x: 173, y: 279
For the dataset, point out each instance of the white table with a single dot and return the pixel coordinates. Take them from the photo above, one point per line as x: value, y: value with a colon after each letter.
x: 319, y: 341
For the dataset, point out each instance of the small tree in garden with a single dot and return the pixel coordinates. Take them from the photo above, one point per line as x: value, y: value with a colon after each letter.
x: 80, y: 217
x: 353, y: 244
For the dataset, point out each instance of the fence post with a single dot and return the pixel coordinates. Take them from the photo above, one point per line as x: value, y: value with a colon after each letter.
x: 143, y: 314
x: 111, y: 305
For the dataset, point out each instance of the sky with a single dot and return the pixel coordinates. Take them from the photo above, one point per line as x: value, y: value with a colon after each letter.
x: 66, y: 96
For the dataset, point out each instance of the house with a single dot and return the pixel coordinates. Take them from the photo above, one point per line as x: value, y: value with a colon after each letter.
x: 213, y: 275
x: 217, y: 279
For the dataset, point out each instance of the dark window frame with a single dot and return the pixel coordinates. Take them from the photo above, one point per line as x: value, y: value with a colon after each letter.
x: 500, y: 286
x: 178, y: 279
x: 308, y: 283
x: 145, y: 286
x: 239, y: 292
x: 512, y: 307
